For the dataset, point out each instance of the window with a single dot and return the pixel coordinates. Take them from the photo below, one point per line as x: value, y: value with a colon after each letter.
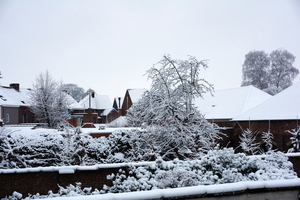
x: 7, y: 118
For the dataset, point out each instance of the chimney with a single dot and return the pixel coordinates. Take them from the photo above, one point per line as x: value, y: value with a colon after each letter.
x: 15, y: 86
x: 119, y: 109
x: 90, y: 100
x: 119, y: 102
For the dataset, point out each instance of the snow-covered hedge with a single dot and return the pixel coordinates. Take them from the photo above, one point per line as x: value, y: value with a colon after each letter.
x: 18, y: 150
x: 49, y: 147
x: 217, y: 167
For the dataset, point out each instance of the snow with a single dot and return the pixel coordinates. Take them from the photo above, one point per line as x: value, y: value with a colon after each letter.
x: 11, y: 97
x: 136, y: 94
x: 73, y: 104
x: 185, y: 191
x: 288, y: 101
x: 160, y: 174
x: 229, y: 103
x: 98, y: 102
x: 107, y: 111
x: 107, y: 130
x: 66, y: 170
x: 119, y: 122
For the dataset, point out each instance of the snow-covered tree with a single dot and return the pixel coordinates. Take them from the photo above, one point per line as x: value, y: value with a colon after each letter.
x: 270, y: 73
x: 47, y: 100
x: 282, y: 71
x: 74, y: 145
x: 167, y: 110
x: 75, y: 91
x: 255, y: 69
x: 248, y: 142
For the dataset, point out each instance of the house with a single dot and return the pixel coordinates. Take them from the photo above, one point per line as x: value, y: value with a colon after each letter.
x: 277, y: 115
x: 14, y: 105
x: 224, y: 105
x: 131, y: 96
x: 93, y: 108
x: 118, y: 103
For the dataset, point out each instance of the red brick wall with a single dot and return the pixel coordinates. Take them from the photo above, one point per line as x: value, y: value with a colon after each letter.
x: 42, y: 182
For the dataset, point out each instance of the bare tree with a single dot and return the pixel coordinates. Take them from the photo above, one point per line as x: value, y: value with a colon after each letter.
x: 47, y: 100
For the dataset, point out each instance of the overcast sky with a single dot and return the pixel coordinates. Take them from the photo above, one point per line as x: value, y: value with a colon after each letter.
x: 109, y: 45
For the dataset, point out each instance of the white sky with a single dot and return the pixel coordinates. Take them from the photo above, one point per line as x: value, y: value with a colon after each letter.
x: 109, y: 45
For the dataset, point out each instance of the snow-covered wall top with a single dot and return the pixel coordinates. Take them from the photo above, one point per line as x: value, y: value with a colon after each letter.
x: 71, y: 169
x: 283, y: 106
x: 190, y: 191
x: 229, y: 103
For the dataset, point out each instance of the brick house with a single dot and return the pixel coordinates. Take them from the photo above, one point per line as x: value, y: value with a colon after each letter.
x: 93, y: 109
x: 14, y: 105
x: 131, y: 97
x: 278, y: 114
x: 226, y: 104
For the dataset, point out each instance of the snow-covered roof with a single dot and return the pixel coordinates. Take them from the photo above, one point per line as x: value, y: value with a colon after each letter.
x: 283, y: 106
x: 107, y: 111
x: 229, y: 103
x: 73, y: 104
x: 13, y: 98
x: 97, y: 102
x: 136, y: 94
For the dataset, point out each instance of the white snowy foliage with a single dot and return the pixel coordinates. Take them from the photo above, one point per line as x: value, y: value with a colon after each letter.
x: 119, y: 122
x: 267, y: 138
x: 70, y: 190
x: 47, y: 100
x: 217, y: 167
x: 295, y: 140
x: 167, y: 112
x: 248, y: 142
x: 19, y: 150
